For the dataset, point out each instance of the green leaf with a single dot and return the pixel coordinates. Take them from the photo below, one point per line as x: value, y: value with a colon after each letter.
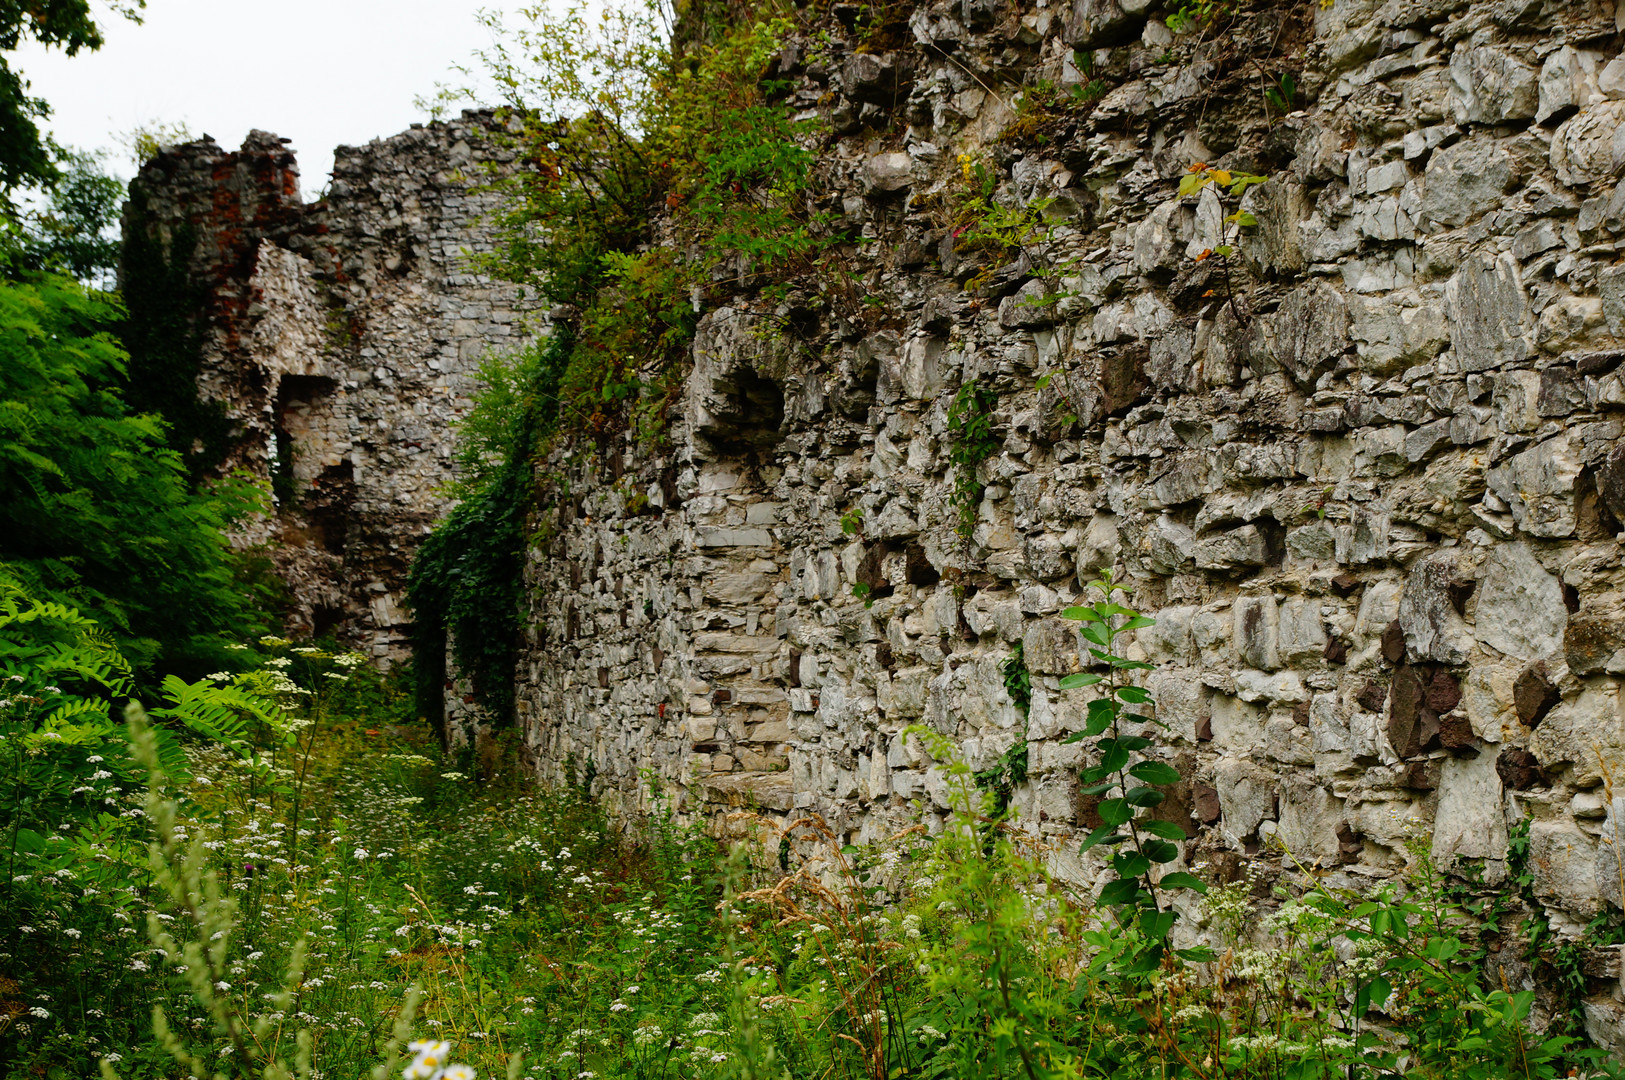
x: 1178, y: 879
x: 1160, y: 851
x: 1130, y: 864
x: 1102, y: 835
x: 1372, y: 995
x: 1132, y: 743
x: 1113, y: 757
x: 1102, y: 712
x: 1134, y: 695
x: 1119, y: 892
x: 1097, y: 789
x: 1200, y: 954
x: 1137, y: 622
x: 1156, y: 924
x: 1115, y: 812
x: 1080, y: 614
x: 1144, y: 796
x: 1079, y: 678
x: 1168, y: 830
x: 1155, y: 772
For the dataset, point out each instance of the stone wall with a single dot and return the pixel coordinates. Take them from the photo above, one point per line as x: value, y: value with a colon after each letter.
x: 1369, y: 478
x: 1374, y: 501
x: 341, y: 336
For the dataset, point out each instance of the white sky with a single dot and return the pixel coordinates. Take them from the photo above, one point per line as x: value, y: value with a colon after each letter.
x: 323, y: 73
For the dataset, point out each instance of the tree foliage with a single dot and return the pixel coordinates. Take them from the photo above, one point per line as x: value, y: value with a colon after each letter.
x: 75, y: 231
x: 99, y: 511
x: 25, y: 152
x: 617, y: 118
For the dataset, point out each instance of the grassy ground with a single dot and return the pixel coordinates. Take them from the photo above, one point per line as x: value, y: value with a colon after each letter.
x: 370, y: 888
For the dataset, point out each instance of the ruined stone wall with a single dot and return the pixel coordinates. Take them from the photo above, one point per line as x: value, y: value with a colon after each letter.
x: 1374, y: 502
x: 342, y: 337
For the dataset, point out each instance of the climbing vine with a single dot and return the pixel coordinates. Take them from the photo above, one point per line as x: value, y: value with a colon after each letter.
x: 970, y: 431
x: 466, y: 585
x: 163, y: 334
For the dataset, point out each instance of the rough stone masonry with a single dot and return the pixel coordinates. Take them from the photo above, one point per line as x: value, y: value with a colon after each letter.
x: 1375, y: 503
x: 342, y: 338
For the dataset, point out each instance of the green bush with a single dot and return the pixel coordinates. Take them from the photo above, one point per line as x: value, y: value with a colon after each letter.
x: 100, y: 515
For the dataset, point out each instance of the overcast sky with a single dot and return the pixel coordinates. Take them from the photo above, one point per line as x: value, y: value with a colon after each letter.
x: 323, y: 73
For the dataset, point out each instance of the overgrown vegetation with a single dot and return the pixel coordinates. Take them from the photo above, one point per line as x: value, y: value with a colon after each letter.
x: 467, y: 582
x: 970, y: 429
x: 614, y: 118
x: 316, y: 887
x: 100, y: 515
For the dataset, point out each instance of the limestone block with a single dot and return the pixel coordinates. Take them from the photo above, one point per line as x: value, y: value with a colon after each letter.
x: 1538, y: 486
x: 1611, y: 290
x: 1235, y: 549
x: 1101, y: 545
x: 1310, y: 331
x: 1589, y: 147
x: 1301, y: 634
x: 1568, y: 80
x: 1211, y: 634
x: 1287, y: 741
x: 1052, y: 647
x: 902, y: 695
x: 1469, y: 823
x: 1520, y: 606
x: 1605, y: 1020
x: 1047, y: 557
x: 1387, y: 818
x: 1568, y: 321
x: 1434, y: 630
x: 1396, y: 331
x: 1313, y: 542
x: 1277, y: 688
x: 1364, y: 539
x: 1172, y: 545
x: 1563, y: 861
x: 1169, y: 639
x: 1610, y: 872
x: 1582, y: 733
x: 1490, y: 324
x: 1595, y: 644
x: 1092, y: 24
x: 921, y: 367
x: 1490, y: 87
x: 1238, y: 728
x: 991, y: 612
x: 1181, y: 701
x: 887, y: 173
x: 1514, y: 400
x: 1487, y: 699
x: 1466, y: 180
x: 1309, y: 818
x: 1257, y: 629
x: 1246, y: 796
x: 1380, y: 451
x: 1029, y: 308
x: 1328, y: 732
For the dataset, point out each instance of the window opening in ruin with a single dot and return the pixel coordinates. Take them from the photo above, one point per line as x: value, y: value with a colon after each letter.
x: 295, y: 398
